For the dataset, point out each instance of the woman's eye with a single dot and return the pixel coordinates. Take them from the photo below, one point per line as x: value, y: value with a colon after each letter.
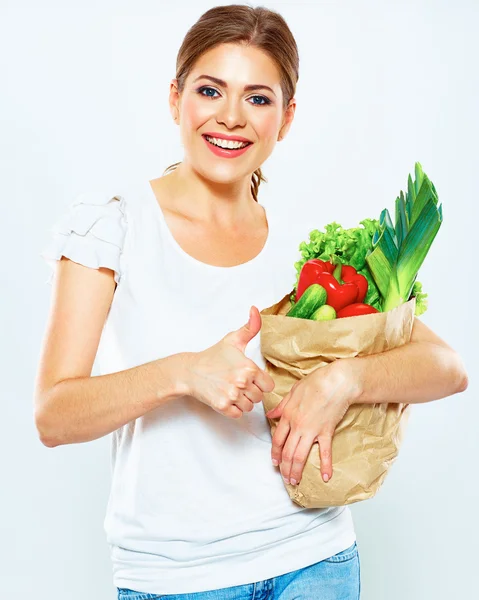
x: 207, y: 88
x: 201, y: 90
x: 266, y: 100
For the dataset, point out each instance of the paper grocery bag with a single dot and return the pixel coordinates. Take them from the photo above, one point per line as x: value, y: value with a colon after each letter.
x: 367, y: 440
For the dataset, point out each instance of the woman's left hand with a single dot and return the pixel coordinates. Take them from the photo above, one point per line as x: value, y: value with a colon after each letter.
x: 309, y: 413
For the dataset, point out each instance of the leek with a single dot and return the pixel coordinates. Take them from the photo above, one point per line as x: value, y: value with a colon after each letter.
x: 399, y: 249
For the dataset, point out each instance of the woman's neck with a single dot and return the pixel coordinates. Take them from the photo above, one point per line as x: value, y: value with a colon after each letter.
x: 210, y: 201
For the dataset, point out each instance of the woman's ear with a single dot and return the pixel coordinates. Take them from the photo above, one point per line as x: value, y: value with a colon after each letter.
x: 287, y: 119
x: 174, y: 100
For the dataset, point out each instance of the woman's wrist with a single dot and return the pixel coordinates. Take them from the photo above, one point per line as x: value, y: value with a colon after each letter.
x: 182, y: 375
x: 172, y: 379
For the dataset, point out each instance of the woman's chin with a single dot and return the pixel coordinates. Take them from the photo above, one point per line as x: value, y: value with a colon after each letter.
x: 223, y: 173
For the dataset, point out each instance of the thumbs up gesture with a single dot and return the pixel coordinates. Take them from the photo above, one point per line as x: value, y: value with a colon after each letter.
x: 223, y: 378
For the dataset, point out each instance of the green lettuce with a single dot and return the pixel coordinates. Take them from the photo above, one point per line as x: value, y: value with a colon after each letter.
x: 421, y: 299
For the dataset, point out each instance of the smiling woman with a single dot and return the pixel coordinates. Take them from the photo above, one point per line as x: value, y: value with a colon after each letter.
x: 274, y: 69
x: 165, y: 281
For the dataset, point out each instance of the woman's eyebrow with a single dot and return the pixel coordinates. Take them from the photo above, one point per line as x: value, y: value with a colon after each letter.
x: 247, y: 88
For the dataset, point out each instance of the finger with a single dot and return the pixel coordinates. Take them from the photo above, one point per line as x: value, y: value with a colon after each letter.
x: 233, y: 412
x: 264, y: 381
x: 244, y: 379
x: 277, y: 411
x: 244, y: 404
x: 325, y: 455
x: 300, y: 457
x: 279, y: 438
x: 253, y: 393
x: 274, y: 413
x: 289, y: 451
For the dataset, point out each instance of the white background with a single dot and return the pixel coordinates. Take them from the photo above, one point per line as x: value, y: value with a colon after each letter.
x: 84, y: 104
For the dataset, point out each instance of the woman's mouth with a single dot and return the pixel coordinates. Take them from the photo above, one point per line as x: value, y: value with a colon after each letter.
x: 226, y: 152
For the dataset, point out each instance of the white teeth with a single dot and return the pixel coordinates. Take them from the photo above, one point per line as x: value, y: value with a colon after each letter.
x: 226, y: 144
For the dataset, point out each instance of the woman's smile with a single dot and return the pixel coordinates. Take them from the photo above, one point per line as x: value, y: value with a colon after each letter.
x: 225, y: 152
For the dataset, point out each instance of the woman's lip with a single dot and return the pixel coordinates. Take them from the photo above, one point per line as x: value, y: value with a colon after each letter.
x: 230, y: 138
x: 224, y: 153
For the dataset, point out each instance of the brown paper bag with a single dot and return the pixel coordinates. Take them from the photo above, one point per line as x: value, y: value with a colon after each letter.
x: 368, y: 438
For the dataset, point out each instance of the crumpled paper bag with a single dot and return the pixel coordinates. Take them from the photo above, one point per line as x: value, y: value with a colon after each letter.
x: 367, y: 440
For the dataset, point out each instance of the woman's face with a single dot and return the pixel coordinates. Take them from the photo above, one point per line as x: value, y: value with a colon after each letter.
x: 207, y: 106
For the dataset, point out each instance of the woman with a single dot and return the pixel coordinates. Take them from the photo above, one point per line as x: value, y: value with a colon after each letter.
x: 155, y: 286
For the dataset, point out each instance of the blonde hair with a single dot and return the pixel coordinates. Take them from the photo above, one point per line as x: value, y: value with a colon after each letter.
x: 237, y: 23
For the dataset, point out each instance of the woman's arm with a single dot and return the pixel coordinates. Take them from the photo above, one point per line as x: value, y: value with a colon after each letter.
x: 70, y: 405
x: 86, y: 408
x: 424, y: 369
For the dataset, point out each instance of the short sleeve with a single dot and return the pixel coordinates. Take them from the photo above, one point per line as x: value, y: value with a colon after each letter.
x: 91, y: 232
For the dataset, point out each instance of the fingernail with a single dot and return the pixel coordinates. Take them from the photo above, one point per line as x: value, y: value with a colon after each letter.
x: 293, y: 481
x: 286, y: 480
x: 275, y: 462
x: 325, y: 477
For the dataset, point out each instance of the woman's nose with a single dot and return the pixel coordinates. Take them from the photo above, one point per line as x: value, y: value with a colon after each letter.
x: 231, y: 114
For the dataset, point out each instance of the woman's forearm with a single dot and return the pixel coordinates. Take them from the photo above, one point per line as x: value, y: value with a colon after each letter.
x: 413, y: 373
x: 86, y: 408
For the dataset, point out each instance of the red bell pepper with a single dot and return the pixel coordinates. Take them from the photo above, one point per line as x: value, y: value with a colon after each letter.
x: 354, y: 310
x: 339, y: 294
x: 349, y: 275
x: 309, y: 274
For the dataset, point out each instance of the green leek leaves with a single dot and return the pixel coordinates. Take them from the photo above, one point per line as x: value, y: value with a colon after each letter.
x: 399, y: 250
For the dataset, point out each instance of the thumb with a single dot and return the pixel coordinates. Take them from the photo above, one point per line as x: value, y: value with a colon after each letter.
x: 242, y: 336
x: 275, y: 413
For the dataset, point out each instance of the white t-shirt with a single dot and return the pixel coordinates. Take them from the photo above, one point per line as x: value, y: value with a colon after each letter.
x: 195, y: 501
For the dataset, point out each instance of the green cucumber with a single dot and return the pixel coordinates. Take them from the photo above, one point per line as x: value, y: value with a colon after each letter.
x: 312, y: 298
x: 323, y: 313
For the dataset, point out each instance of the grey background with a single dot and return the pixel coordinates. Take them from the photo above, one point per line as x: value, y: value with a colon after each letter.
x: 84, y: 104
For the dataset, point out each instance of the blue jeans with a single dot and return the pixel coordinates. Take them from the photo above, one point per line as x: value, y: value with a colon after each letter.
x: 335, y: 578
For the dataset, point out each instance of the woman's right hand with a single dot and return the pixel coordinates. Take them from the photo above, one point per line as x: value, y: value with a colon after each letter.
x: 223, y: 378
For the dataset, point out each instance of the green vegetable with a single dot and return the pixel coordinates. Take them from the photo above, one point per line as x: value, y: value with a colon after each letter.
x: 323, y: 313
x: 350, y: 246
x: 313, y: 297
x: 421, y: 299
x: 399, y: 250
x: 372, y: 297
